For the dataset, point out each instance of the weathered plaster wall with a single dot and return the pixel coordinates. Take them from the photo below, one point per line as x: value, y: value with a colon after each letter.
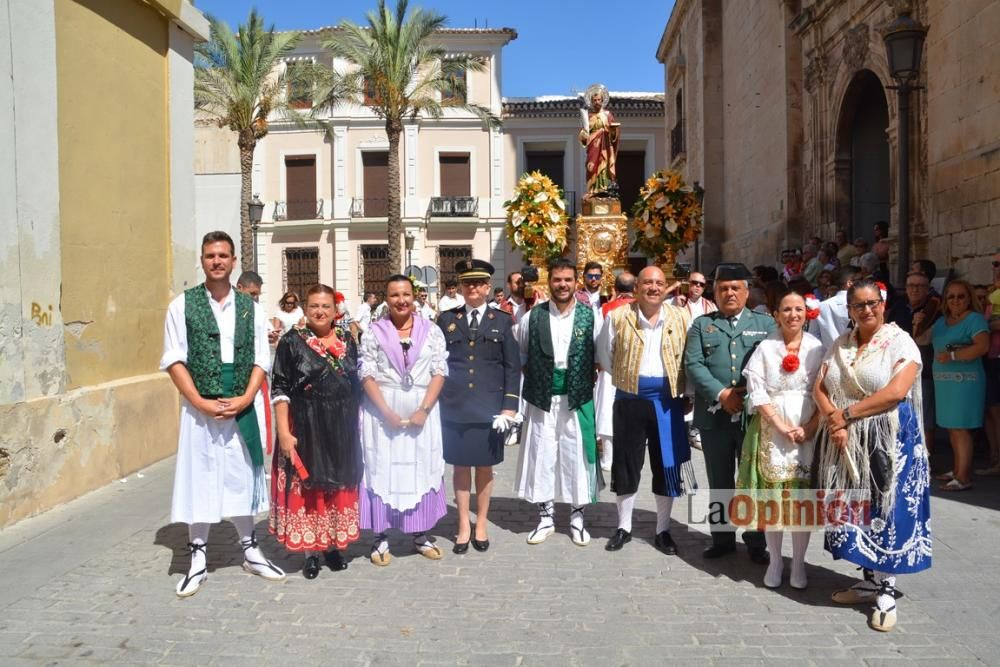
x: 63, y: 446
x: 85, y: 254
x: 31, y: 349
x: 114, y: 177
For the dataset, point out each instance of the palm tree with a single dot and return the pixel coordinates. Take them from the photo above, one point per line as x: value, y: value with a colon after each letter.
x: 238, y: 83
x: 401, y: 74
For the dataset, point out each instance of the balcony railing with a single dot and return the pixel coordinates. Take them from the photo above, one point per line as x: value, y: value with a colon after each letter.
x: 309, y: 209
x: 453, y: 207
x: 677, y: 140
x: 369, y: 207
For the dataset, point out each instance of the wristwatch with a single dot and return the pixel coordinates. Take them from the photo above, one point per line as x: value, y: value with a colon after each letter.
x: 426, y: 411
x: 847, y: 414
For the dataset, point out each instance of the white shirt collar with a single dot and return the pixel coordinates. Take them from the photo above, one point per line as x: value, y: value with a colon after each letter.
x: 644, y: 323
x: 554, y: 310
x: 480, y: 309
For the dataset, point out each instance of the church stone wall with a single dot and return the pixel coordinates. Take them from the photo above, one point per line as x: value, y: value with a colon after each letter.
x: 963, y: 142
x: 755, y: 126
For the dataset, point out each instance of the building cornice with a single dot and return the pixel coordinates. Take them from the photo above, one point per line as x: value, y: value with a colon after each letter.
x: 672, y: 28
x: 504, y: 35
x: 622, y: 104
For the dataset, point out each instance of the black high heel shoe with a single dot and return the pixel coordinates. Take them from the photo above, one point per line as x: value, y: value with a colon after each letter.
x: 335, y: 560
x: 460, y: 547
x: 311, y: 569
x: 480, y: 545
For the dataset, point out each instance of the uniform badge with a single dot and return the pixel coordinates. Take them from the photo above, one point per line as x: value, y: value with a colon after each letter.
x: 490, y: 316
x: 711, y: 329
x: 452, y: 327
x: 458, y: 316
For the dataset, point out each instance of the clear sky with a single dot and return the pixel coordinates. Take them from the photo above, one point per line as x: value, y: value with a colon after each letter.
x: 562, y: 45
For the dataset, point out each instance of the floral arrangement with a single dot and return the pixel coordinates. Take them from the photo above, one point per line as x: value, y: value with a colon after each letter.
x: 536, y: 216
x: 667, y: 215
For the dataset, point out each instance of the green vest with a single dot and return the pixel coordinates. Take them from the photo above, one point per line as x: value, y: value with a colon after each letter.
x: 540, y: 372
x: 204, y: 354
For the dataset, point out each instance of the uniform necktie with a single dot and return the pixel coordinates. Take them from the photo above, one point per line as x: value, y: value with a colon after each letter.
x: 732, y: 322
x: 474, y: 321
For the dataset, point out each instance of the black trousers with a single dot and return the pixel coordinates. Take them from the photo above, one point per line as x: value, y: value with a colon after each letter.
x: 722, y: 454
x: 636, y: 430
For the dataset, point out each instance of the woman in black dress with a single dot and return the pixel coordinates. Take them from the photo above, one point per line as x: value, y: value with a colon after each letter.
x: 318, y: 465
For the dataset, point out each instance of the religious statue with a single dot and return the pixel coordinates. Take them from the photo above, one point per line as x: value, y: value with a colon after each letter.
x: 600, y: 136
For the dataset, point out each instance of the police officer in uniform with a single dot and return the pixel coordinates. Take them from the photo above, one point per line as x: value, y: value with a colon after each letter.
x: 480, y: 397
x: 718, y: 347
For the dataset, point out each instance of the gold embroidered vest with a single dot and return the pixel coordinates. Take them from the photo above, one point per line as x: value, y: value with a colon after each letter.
x: 628, y: 344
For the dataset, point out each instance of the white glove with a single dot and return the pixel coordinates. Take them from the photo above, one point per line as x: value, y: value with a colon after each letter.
x: 502, y: 423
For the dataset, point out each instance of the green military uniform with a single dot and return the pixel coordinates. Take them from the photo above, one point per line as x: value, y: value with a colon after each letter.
x: 714, y: 357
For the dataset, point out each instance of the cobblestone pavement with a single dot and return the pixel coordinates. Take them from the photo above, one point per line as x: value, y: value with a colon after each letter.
x: 94, y: 581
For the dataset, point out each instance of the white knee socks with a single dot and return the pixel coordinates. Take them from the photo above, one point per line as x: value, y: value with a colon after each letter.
x: 198, y: 534
x: 772, y: 577
x: 800, y: 544
x: 663, y: 506
x: 626, y: 503
x: 886, y: 600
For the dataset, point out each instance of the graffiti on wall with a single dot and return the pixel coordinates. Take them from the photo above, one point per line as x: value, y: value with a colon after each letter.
x: 42, y: 318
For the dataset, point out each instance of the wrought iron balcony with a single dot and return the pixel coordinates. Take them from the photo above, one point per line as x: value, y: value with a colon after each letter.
x: 369, y: 207
x: 309, y: 209
x: 453, y: 207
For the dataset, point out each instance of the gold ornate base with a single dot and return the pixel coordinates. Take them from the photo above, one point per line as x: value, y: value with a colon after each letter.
x: 604, y: 239
x: 601, y: 206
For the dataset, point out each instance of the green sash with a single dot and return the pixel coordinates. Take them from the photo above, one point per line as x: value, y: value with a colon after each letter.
x: 585, y: 416
x: 246, y: 420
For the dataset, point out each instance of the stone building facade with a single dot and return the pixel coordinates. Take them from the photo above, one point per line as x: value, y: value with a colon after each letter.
x: 790, y: 121
x: 97, y: 235
x: 324, y: 189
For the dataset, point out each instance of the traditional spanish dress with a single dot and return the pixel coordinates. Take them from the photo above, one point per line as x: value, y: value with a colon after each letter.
x: 404, y: 470
x: 558, y: 456
x: 769, y: 460
x: 320, y: 384
x: 885, y: 456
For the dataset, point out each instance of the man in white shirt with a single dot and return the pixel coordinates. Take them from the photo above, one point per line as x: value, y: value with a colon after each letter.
x: 695, y: 301
x: 558, y: 456
x: 216, y: 352
x: 515, y: 303
x: 424, y: 309
x: 641, y: 345
x: 451, y: 299
x: 363, y: 317
x: 833, y: 318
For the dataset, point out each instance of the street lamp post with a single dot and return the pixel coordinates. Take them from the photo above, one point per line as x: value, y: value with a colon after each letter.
x: 904, y: 41
x: 700, y: 193
x: 409, y: 239
x: 255, y: 207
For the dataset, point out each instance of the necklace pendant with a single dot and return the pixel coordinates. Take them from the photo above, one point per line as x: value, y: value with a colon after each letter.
x: 407, y: 382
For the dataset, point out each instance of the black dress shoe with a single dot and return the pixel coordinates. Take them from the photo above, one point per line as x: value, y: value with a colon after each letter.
x: 311, y: 569
x: 335, y: 560
x: 718, y: 551
x: 665, y: 543
x: 460, y: 547
x: 759, y: 555
x: 480, y: 545
x: 618, y: 540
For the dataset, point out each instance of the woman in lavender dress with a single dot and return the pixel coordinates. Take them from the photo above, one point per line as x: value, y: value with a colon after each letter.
x: 403, y: 366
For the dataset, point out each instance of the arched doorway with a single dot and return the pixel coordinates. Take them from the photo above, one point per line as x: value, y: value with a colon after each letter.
x: 863, y: 180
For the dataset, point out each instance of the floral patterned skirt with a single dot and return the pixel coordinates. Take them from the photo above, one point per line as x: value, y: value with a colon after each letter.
x: 305, y: 519
x: 901, y: 542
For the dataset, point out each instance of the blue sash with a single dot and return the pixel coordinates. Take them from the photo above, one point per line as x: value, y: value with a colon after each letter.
x: 674, y: 447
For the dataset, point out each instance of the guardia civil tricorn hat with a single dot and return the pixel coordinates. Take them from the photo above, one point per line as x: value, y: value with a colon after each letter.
x: 474, y: 269
x: 732, y: 271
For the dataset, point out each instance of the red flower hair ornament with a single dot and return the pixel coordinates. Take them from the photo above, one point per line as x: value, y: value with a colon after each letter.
x: 812, y: 308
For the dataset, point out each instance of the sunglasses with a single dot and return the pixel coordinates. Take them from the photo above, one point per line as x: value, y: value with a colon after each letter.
x: 592, y: 276
x: 696, y: 283
x: 862, y: 306
x: 290, y: 303
x: 996, y: 264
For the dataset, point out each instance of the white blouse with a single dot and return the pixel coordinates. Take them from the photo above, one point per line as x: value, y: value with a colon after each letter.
x: 432, y: 360
x: 765, y: 376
